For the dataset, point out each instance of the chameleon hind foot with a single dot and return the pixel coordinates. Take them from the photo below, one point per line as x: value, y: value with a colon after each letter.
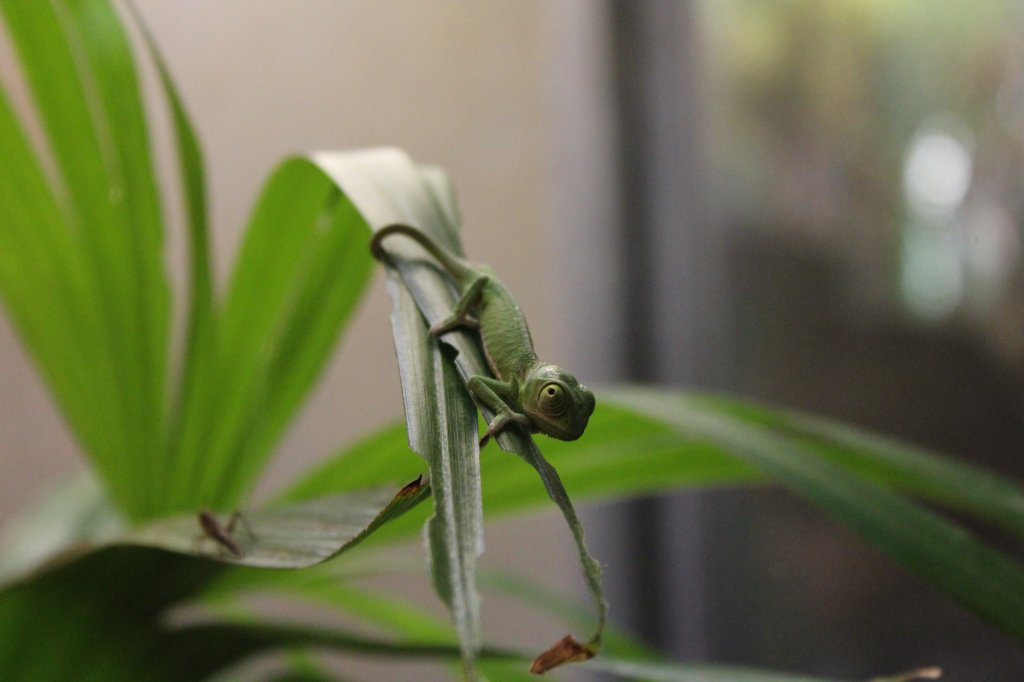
x: 453, y: 322
x: 460, y: 316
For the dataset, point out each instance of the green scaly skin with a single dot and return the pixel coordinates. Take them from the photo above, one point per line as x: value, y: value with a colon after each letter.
x: 539, y: 396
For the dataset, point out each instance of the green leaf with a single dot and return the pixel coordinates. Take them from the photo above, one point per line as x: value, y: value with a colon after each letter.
x: 938, y: 550
x: 455, y: 532
x: 926, y: 474
x: 103, y: 617
x: 381, y: 457
x: 114, y: 298
x: 78, y: 520
x: 624, y: 453
x: 43, y: 287
x: 525, y: 447
x: 98, y: 617
x: 656, y: 671
x: 74, y: 513
x: 430, y: 208
x: 293, y: 536
x: 73, y: 580
x: 299, y: 274
x: 663, y: 443
x: 384, y: 186
x: 129, y: 248
x: 627, y: 452
x: 324, y: 589
x: 192, y: 178
x: 200, y: 649
x: 409, y: 624
x: 440, y: 414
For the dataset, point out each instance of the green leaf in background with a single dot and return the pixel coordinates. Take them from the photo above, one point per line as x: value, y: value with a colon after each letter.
x: 117, y: 600
x: 375, y: 459
x: 695, y: 672
x: 250, y: 360
x: 945, y: 554
x: 97, y: 618
x: 82, y: 277
x: 647, y: 441
x: 944, y: 480
x: 88, y: 243
x: 133, y: 587
x: 101, y: 604
x: 192, y: 177
x: 63, y: 528
x: 108, y: 263
x: 298, y: 535
x: 74, y: 513
x: 624, y: 658
x: 298, y: 276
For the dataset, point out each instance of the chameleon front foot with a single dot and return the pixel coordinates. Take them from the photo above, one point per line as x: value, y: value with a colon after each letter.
x: 501, y: 421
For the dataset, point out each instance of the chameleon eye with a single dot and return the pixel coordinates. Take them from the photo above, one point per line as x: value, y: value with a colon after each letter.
x: 552, y: 399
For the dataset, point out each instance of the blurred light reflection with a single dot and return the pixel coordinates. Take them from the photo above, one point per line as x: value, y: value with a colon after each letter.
x: 937, y: 172
x: 932, y: 281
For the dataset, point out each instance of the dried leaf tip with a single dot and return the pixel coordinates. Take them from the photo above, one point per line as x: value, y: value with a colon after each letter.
x: 565, y: 650
x: 412, y: 487
x: 930, y: 673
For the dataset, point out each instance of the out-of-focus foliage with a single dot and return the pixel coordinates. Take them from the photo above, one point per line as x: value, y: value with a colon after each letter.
x: 82, y: 276
x: 820, y: 108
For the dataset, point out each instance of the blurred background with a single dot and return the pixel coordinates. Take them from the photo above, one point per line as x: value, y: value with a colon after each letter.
x: 814, y: 204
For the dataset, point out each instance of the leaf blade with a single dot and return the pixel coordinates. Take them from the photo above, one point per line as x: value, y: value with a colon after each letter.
x: 455, y: 532
x: 296, y: 281
x: 200, y: 315
x: 943, y: 553
x: 299, y: 535
x: 926, y: 474
x: 80, y: 71
x: 386, y: 187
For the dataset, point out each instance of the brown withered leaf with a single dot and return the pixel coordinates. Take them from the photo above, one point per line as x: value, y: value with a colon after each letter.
x: 930, y: 673
x: 565, y: 650
x: 412, y: 488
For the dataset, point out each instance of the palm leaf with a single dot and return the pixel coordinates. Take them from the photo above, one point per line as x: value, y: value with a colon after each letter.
x: 79, y: 66
x: 645, y: 441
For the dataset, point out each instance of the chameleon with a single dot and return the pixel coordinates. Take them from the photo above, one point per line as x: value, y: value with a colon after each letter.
x: 539, y: 396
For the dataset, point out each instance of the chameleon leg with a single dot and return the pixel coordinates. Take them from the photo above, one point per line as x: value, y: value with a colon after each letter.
x: 460, y: 316
x: 488, y: 392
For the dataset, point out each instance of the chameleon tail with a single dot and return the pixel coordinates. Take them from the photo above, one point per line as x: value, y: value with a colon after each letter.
x: 456, y: 267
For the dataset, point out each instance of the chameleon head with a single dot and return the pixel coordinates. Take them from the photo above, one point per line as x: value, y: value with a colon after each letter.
x: 557, y: 404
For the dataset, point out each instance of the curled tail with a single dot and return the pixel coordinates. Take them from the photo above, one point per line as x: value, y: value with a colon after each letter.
x: 456, y: 267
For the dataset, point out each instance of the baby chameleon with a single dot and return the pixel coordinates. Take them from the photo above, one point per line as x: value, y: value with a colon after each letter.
x: 539, y: 396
